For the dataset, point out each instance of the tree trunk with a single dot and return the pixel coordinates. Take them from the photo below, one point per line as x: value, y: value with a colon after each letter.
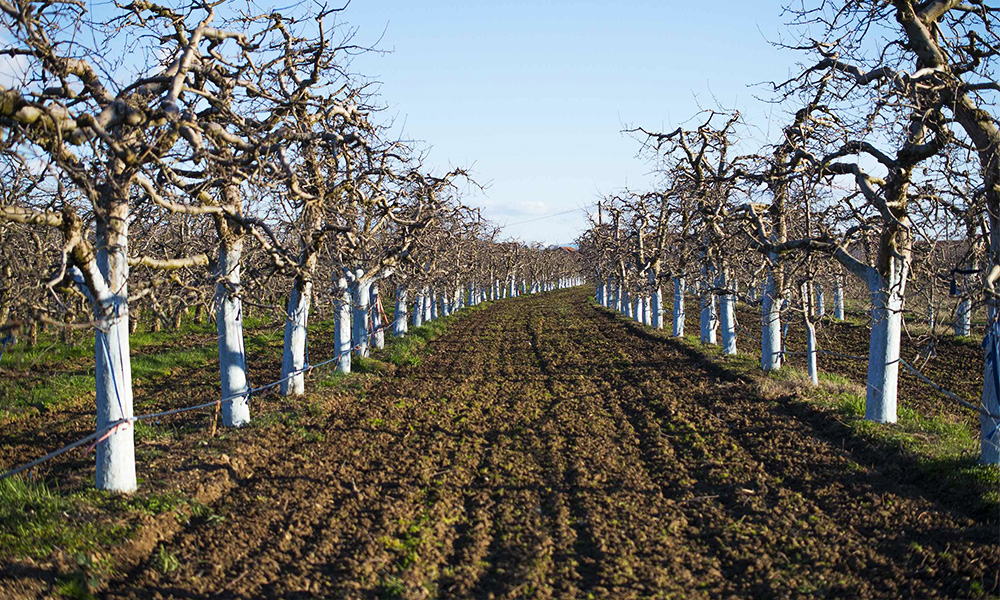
x: 361, y: 295
x: 770, y: 333
x: 115, y: 469
x: 377, y: 325
x: 656, y: 301
x: 931, y: 316
x: 229, y: 326
x: 133, y: 322
x: 293, y: 361
x: 963, y: 317
x: 727, y: 313
x: 680, y: 287
x: 342, y: 325
x: 989, y: 434
x: 989, y: 428
x: 820, y: 300
x: 400, y: 314
x: 418, y: 309
x: 810, y: 333
x: 883, y: 349
x: 709, y: 322
x: 838, y: 299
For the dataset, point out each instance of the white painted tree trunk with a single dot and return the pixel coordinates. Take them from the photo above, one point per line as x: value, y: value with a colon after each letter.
x: 820, y: 300
x: 963, y: 318
x: 418, y: 309
x: 657, y: 302
x: 293, y: 360
x: 680, y: 287
x: 399, y: 316
x: 989, y: 436
x: 838, y: 300
x: 229, y: 327
x: 811, y: 349
x: 115, y: 469
x: 727, y: 314
x: 361, y: 297
x: 342, y: 326
x: 647, y: 310
x: 709, y: 322
x: 770, y: 332
x: 883, y: 350
x: 377, y: 325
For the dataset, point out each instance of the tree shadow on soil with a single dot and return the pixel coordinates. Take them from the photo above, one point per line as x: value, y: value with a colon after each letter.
x: 892, y: 469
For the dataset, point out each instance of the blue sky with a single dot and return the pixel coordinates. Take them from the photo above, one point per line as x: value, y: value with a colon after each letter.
x: 533, y: 95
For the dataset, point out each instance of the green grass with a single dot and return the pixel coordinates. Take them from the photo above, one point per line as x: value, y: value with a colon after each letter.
x: 165, y: 561
x: 77, y: 380
x: 57, y: 389
x: 146, y: 431
x: 942, y: 450
x: 35, y: 521
x: 165, y: 364
x: 406, y: 350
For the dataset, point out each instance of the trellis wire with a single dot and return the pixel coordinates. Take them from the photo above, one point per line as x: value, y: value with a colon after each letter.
x: 112, y: 426
x: 920, y: 376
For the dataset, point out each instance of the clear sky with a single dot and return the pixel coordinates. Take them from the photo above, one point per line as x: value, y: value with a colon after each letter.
x: 532, y: 96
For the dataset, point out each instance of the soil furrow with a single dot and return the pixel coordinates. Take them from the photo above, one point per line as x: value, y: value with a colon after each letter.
x: 545, y: 448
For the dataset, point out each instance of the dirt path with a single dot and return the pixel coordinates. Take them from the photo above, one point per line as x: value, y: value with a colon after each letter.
x: 545, y: 449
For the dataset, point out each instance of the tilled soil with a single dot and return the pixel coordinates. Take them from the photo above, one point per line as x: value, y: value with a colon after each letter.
x: 546, y: 448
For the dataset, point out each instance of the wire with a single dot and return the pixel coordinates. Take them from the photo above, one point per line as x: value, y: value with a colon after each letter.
x: 98, y: 435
